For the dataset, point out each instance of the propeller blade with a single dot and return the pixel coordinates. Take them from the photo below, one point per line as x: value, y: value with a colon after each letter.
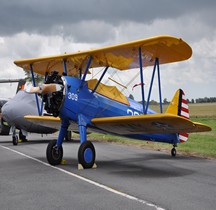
x: 43, y: 89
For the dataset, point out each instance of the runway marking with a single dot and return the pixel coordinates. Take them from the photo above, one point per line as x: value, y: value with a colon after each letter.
x: 89, y: 181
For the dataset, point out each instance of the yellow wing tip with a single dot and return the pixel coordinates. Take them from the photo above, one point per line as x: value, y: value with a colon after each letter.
x: 202, y: 127
x: 44, y: 118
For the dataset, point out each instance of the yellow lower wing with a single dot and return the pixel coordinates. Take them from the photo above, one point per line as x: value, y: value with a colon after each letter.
x: 47, y: 121
x: 149, y: 124
x: 50, y: 122
x: 142, y: 124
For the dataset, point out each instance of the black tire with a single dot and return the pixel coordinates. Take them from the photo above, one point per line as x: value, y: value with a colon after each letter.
x: 86, y: 154
x: 22, y: 137
x: 54, y: 155
x: 15, y: 140
x: 68, y: 136
x: 173, y: 152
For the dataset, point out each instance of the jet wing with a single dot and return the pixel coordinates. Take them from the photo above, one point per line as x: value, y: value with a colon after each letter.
x: 123, y: 56
x: 148, y: 124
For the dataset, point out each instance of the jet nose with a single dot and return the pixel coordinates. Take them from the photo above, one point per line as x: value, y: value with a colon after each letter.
x: 15, y: 109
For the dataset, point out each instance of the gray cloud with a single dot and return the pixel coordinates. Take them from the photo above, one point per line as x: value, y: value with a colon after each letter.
x: 83, y: 17
x: 46, y: 27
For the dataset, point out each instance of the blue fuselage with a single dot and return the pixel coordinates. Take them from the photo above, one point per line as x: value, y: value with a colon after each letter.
x: 80, y: 100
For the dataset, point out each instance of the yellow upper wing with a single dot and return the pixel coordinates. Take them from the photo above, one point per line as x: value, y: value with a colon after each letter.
x: 123, y: 56
x: 149, y: 124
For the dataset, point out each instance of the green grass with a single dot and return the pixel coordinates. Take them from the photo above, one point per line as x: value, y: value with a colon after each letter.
x: 196, y: 110
x: 201, y: 144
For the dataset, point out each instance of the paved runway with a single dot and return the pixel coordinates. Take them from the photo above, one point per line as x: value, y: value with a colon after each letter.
x: 126, y: 178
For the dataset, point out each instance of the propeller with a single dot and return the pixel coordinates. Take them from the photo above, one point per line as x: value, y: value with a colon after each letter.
x: 42, y: 89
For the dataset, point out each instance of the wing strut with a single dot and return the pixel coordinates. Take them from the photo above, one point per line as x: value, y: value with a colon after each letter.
x: 104, y: 72
x: 65, y: 66
x: 159, y: 86
x: 86, y: 71
x: 150, y: 88
x: 156, y: 65
x: 141, y: 78
x: 36, y: 96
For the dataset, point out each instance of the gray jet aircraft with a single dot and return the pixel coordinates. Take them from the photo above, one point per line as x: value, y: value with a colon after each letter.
x: 13, y: 112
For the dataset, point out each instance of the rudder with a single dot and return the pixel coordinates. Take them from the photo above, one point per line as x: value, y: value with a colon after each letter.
x: 179, y: 106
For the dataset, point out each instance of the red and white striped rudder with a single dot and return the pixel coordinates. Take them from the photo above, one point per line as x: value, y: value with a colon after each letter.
x: 184, y: 112
x: 179, y: 106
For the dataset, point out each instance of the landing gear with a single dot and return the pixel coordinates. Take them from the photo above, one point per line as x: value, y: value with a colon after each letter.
x: 15, y: 140
x: 22, y: 137
x: 54, y: 153
x: 86, y: 154
x: 173, y: 150
x: 14, y: 136
x: 68, y: 136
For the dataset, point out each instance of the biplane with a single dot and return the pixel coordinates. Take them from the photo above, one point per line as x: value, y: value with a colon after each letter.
x: 76, y: 103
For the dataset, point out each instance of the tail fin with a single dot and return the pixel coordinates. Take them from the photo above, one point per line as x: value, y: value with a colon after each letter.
x: 179, y: 106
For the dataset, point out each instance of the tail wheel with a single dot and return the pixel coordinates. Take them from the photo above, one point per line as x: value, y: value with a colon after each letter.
x: 54, y: 154
x: 15, y: 140
x: 86, y: 154
x: 173, y: 152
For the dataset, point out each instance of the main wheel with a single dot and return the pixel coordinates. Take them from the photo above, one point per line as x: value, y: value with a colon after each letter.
x: 54, y: 154
x: 22, y: 137
x: 173, y: 152
x: 86, y: 154
x: 15, y: 140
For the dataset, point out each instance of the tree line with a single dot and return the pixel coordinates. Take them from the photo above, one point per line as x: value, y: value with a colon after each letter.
x: 192, y: 101
x: 204, y: 100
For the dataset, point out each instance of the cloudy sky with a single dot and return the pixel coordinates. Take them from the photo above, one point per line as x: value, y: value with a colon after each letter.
x: 33, y: 28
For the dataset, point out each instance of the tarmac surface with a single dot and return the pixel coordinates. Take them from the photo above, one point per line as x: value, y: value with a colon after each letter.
x: 125, y: 178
